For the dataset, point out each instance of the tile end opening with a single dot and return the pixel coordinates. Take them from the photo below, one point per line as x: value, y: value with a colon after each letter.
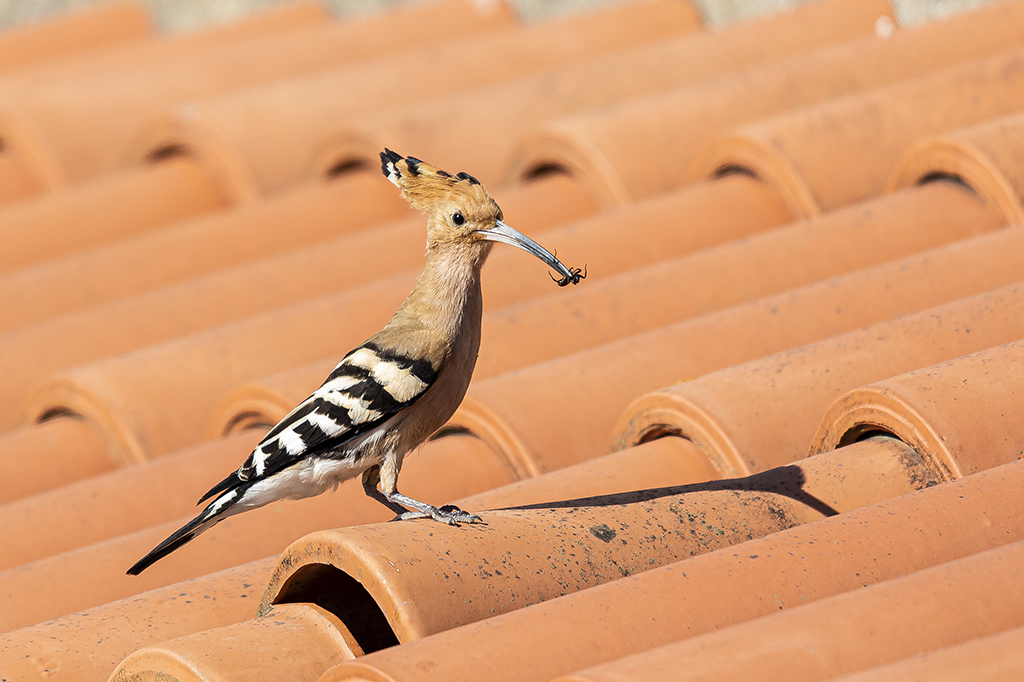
x: 345, y: 168
x: 342, y: 595
x: 863, y: 432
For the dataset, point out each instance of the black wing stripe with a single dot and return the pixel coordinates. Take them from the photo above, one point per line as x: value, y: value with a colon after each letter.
x: 368, y: 387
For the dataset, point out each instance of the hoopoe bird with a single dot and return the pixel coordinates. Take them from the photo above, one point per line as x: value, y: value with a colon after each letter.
x: 396, y: 388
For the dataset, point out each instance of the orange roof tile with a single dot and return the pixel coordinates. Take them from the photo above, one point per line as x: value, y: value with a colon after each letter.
x: 841, y: 555
x: 192, y: 233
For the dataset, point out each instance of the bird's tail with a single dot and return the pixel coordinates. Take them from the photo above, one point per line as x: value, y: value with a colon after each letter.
x: 214, y: 512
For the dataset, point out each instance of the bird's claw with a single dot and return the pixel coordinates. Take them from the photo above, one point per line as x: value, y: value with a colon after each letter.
x: 449, y: 515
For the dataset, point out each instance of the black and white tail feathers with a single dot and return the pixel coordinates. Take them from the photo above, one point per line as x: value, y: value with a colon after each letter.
x: 207, y: 519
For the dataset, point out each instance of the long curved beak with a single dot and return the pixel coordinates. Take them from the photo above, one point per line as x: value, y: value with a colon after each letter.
x: 509, y: 235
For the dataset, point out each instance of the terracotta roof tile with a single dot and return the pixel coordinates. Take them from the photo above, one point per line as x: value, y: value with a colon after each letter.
x: 479, y: 129
x: 101, y: 27
x: 530, y: 412
x: 614, y: 242
x: 841, y: 152
x: 99, y: 263
x: 987, y: 157
x: 675, y: 124
x: 68, y: 646
x: 490, y: 575
x: 764, y: 413
x: 207, y: 236
x: 113, y: 207
x: 802, y: 565
x: 276, y: 134
x: 992, y: 658
x: 109, y: 104
x: 938, y: 411
x: 95, y: 509
x: 44, y: 456
x: 935, y: 607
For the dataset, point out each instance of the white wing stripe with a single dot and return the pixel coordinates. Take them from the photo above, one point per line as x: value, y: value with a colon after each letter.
x: 364, y: 357
x: 358, y: 409
x: 291, y: 441
x: 337, y: 384
x: 325, y: 423
x: 401, y: 383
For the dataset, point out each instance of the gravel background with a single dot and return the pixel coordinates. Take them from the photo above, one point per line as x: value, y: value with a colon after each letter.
x: 178, y: 15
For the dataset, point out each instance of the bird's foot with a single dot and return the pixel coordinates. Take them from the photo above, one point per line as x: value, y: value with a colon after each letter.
x: 448, y: 514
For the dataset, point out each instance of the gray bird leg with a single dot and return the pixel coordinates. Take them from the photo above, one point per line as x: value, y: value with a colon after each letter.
x: 371, y: 477
x: 406, y: 507
x: 448, y: 514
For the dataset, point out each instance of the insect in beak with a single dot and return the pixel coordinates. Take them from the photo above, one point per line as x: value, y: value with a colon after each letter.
x: 508, y: 235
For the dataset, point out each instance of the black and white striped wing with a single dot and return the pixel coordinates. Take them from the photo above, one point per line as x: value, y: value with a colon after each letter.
x: 367, y: 388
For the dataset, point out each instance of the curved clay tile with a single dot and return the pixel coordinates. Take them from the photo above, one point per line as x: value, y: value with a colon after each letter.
x: 842, y: 152
x: 936, y: 607
x: 460, y: 466
x: 29, y: 156
x: 316, y: 636
x: 675, y: 124
x: 795, y: 567
x: 146, y: 618
x: 330, y: 224
x: 764, y: 413
x: 563, y: 410
x: 995, y: 657
x: 113, y: 207
x: 74, y: 514
x: 956, y: 412
x: 99, y: 263
x: 477, y: 129
x: 988, y: 157
x: 104, y: 26
x: 402, y: 566
x: 426, y: 582
x: 49, y: 455
x: 612, y: 243
x: 273, y: 132
x: 110, y: 102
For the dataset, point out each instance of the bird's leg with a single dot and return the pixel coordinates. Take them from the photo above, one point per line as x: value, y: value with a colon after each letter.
x: 371, y: 477
x: 406, y: 507
x: 448, y: 514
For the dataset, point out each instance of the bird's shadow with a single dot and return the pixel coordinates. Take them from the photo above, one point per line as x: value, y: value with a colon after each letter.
x: 787, y: 481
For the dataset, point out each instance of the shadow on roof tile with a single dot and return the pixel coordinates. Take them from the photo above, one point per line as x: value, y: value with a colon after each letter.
x: 796, y: 566
x: 527, y: 554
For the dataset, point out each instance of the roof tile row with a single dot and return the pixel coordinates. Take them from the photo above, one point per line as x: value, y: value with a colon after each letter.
x: 712, y: 359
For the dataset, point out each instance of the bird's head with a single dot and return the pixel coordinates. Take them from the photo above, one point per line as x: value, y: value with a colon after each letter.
x: 461, y: 215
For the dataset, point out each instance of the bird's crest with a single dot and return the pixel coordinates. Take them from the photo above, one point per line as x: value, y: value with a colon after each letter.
x: 422, y: 184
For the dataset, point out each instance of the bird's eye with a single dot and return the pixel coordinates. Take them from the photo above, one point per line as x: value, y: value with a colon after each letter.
x: 458, y: 219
